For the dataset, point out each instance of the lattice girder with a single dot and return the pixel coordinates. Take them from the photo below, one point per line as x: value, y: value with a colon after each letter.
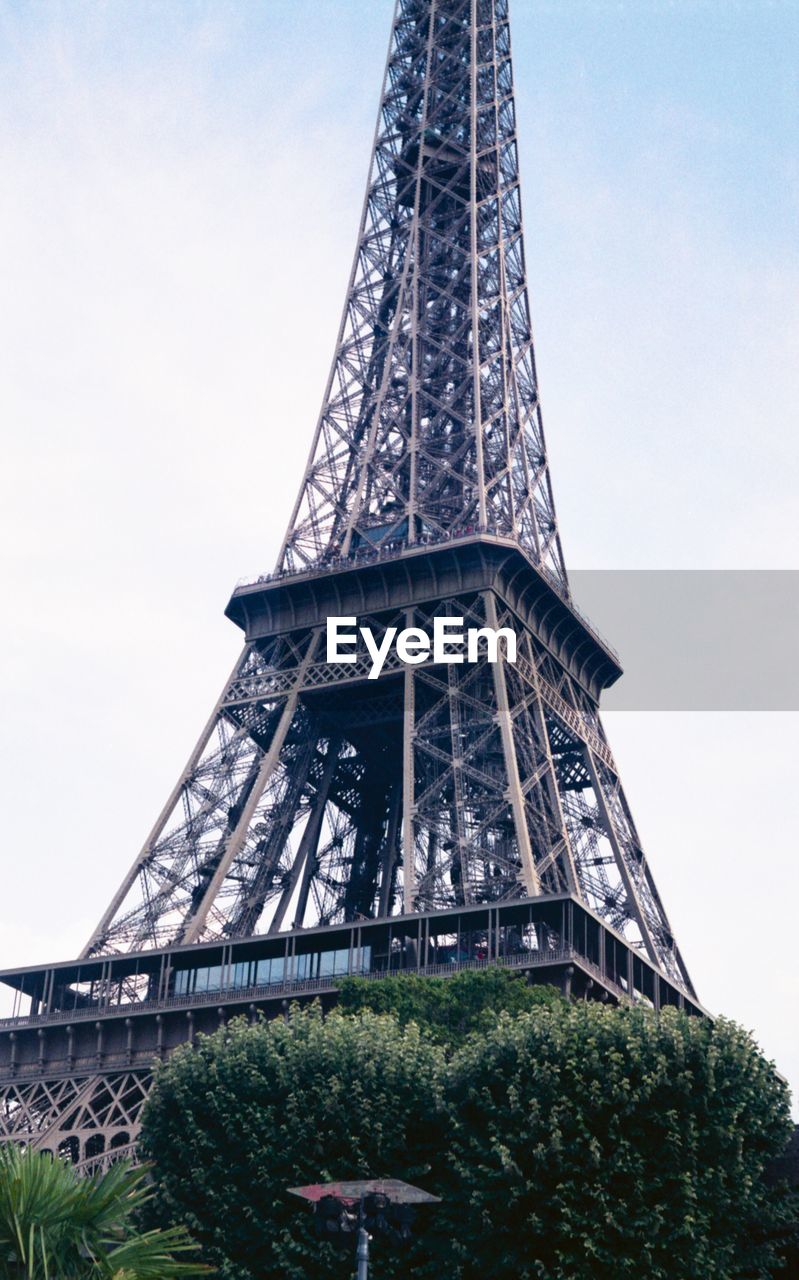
x: 431, y: 420
x: 320, y: 795
x: 86, y: 1116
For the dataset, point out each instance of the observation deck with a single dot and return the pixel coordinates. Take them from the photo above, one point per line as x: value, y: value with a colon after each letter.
x: 396, y: 576
x: 112, y: 1012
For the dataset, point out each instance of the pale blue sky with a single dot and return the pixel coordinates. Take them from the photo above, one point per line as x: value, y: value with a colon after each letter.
x: 180, y: 193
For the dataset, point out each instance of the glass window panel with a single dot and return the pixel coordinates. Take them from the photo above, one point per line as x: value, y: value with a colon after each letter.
x: 307, y: 966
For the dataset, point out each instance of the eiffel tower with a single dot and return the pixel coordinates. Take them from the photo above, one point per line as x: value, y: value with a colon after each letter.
x: 443, y: 815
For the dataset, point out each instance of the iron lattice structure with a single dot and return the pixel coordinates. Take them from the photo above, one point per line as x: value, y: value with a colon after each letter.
x: 431, y: 421
x: 318, y: 797
x: 314, y: 795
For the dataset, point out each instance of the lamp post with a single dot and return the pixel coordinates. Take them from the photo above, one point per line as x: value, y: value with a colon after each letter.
x: 362, y: 1255
x: 385, y: 1206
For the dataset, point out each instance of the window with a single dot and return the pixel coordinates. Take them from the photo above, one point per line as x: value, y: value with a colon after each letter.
x: 183, y: 982
x: 269, y: 972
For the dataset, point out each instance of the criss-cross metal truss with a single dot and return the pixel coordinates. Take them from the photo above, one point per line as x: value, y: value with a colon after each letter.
x: 89, y: 1117
x: 431, y: 419
x: 314, y: 794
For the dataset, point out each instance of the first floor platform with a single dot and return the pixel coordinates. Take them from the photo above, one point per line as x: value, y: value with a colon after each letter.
x: 77, y: 1054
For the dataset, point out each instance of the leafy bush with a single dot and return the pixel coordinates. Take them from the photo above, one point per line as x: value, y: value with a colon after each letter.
x: 249, y: 1113
x: 567, y: 1141
x: 447, y: 1010
x: 591, y: 1143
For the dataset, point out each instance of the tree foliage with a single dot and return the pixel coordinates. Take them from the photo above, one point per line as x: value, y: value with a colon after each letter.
x: 596, y: 1144
x: 250, y: 1112
x: 449, y: 1010
x: 567, y: 1141
x: 54, y: 1223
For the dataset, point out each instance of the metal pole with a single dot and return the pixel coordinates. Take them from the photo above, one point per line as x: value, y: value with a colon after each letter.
x: 362, y: 1254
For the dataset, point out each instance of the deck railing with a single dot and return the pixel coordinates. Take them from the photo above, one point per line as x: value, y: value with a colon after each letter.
x: 393, y: 550
x: 300, y: 987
